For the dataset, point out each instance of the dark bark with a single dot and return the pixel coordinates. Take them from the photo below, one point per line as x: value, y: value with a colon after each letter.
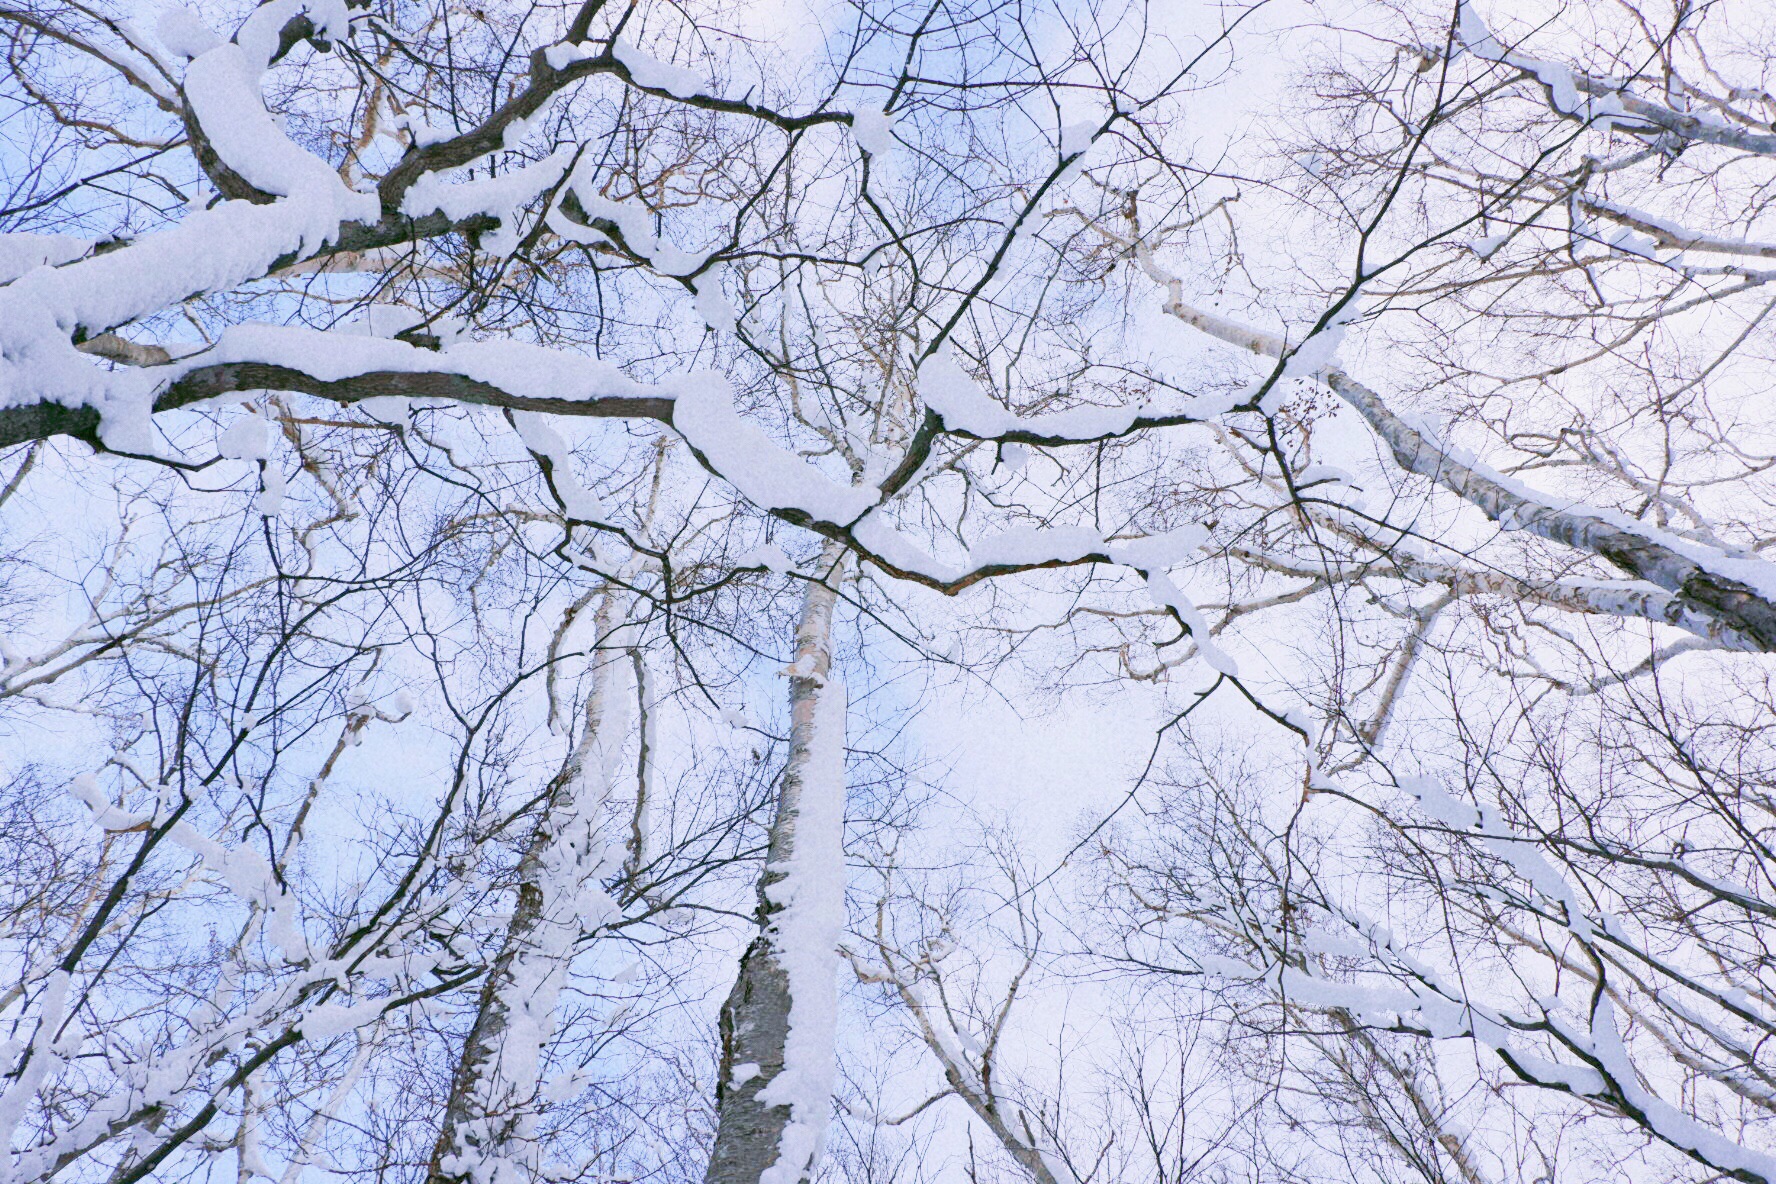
x: 39, y: 421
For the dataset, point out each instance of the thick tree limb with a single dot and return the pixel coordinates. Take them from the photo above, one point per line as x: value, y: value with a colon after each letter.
x: 489, y: 1099
x: 1611, y: 102
x: 1637, y: 601
x: 1735, y: 604
x: 39, y: 421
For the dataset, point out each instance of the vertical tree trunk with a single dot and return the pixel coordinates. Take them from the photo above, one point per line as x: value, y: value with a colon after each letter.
x: 750, y: 1142
x: 496, y: 1077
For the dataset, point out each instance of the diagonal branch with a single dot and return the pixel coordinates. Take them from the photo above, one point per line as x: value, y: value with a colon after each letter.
x: 1701, y: 585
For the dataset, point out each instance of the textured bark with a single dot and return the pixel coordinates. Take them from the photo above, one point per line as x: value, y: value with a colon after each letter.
x: 755, y: 1017
x: 754, y: 1030
x: 40, y: 421
x: 1681, y: 124
x: 1573, y: 596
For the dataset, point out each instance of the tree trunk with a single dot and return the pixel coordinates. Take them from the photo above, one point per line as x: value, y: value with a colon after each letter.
x: 497, y: 1075
x: 750, y: 1142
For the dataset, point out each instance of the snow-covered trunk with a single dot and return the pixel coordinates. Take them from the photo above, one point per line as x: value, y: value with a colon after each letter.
x: 774, y: 1095
x: 485, y: 1134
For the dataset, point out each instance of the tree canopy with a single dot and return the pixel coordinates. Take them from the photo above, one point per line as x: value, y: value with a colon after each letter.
x: 551, y: 553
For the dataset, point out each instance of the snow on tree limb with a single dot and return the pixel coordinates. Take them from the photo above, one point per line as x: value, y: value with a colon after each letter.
x: 1419, y: 999
x: 863, y: 334
x: 484, y: 1135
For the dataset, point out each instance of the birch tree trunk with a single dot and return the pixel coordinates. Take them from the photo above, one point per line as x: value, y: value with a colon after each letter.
x: 496, y: 1078
x: 755, y: 1019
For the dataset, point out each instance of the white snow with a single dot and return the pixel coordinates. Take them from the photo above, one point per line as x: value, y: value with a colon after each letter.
x: 332, y: 1019
x: 655, y: 74
x: 1318, y: 352
x: 105, y: 815
x: 540, y: 437
x: 1160, y: 551
x: 1167, y: 594
x: 245, y: 439
x: 873, y: 129
x: 184, y: 33
x: 1563, y: 92
x: 769, y: 475
x: 208, y: 250
x: 499, y: 196
x: 1323, y: 474
x: 272, y: 487
x: 1435, y: 801
x: 1631, y: 242
x: 1026, y: 545
x: 949, y: 391
x: 1759, y: 573
x: 22, y: 252
x: 1474, y: 34
x: 713, y: 305
x: 424, y: 134
x: 222, y: 86
x: 563, y: 54
x: 1488, y: 246
x: 44, y: 1061
x: 633, y: 221
x: 704, y: 414
x: 1076, y: 138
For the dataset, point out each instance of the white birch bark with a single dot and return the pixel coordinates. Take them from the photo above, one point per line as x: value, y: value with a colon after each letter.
x: 770, y: 1118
